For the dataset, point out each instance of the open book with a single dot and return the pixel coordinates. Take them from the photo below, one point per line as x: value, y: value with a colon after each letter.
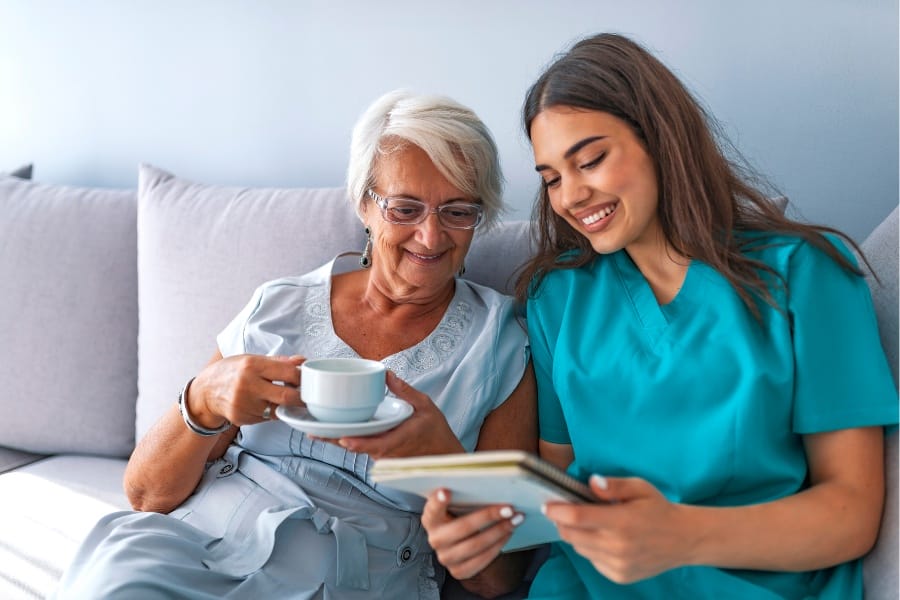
x: 512, y: 477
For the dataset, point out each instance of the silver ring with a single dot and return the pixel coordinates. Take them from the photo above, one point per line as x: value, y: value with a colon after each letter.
x: 267, y: 413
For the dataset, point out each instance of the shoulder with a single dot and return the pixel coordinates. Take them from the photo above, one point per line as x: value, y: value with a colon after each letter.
x: 566, y: 277
x: 281, y: 293
x: 488, y: 310
x: 784, y: 252
x: 316, y: 277
x: 484, y: 300
x: 485, y: 295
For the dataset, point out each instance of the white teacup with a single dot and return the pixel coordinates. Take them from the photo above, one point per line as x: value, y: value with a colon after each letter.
x: 342, y: 390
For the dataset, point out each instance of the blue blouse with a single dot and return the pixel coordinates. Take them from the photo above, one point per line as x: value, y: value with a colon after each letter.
x: 282, y: 515
x: 703, y: 400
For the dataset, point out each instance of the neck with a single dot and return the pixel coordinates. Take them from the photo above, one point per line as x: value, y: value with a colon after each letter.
x: 408, y: 304
x: 662, y: 267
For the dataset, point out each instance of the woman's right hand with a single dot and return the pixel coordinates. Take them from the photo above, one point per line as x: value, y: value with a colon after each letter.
x: 466, y: 545
x: 240, y: 388
x: 168, y: 462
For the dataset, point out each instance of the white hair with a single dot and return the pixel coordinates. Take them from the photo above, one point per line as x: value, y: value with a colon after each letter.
x: 454, y: 138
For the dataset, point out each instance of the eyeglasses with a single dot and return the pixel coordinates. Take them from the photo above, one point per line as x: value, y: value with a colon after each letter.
x: 406, y: 211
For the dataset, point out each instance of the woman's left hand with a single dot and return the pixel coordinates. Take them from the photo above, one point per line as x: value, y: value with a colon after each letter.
x: 426, y: 431
x: 633, y: 533
x: 467, y: 544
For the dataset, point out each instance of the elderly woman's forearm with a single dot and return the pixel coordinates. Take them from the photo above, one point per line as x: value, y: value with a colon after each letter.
x: 167, y: 464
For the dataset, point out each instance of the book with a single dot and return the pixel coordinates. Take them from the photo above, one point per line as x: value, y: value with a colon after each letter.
x: 477, y: 479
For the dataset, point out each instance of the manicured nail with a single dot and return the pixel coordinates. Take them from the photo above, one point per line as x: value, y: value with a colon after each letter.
x: 506, y: 512
x: 441, y: 495
x: 600, y: 481
x: 517, y: 520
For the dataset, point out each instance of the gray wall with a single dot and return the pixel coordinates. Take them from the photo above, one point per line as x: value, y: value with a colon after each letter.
x: 258, y: 92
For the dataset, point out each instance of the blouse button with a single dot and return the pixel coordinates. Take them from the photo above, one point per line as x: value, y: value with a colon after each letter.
x: 405, y: 554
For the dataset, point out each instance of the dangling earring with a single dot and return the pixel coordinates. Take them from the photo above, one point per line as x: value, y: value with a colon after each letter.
x: 462, y: 270
x: 365, y: 261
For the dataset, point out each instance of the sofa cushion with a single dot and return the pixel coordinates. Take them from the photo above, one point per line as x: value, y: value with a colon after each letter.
x: 68, y: 313
x: 781, y: 202
x: 881, y: 248
x: 497, y: 253
x: 12, y: 459
x: 202, y: 250
x: 48, y: 508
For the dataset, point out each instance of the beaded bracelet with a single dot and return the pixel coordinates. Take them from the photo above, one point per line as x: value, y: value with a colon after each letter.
x: 198, y: 429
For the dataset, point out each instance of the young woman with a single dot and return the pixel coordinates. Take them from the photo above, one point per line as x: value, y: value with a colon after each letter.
x: 711, y: 367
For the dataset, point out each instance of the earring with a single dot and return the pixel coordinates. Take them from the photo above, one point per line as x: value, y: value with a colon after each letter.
x: 462, y: 270
x: 365, y: 261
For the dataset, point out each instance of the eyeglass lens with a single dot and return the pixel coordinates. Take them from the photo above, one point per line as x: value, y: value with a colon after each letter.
x: 406, y: 211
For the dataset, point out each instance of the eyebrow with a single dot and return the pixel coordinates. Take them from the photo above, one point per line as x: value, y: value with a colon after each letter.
x: 573, y: 149
x: 460, y: 200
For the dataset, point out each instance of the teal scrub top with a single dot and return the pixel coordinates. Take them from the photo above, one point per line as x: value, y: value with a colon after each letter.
x: 703, y: 400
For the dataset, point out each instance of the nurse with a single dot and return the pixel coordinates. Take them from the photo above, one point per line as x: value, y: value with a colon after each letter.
x: 711, y: 367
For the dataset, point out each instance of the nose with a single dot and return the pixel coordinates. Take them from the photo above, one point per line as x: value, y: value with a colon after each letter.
x: 430, y: 230
x: 573, y: 192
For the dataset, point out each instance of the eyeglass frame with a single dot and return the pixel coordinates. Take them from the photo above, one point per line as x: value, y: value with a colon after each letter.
x: 381, y: 202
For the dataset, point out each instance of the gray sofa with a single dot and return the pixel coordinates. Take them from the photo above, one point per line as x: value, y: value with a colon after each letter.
x: 112, y: 300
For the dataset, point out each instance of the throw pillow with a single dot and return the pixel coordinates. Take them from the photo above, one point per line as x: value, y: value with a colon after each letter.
x: 202, y: 250
x: 68, y: 313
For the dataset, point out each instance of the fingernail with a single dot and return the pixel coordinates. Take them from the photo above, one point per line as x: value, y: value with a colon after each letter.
x: 506, y: 512
x: 543, y: 509
x: 442, y: 496
x: 600, y: 481
x: 517, y: 520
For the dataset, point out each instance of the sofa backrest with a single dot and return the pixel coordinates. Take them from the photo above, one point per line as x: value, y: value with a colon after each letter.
x: 203, y: 249
x: 880, y: 567
x: 86, y: 368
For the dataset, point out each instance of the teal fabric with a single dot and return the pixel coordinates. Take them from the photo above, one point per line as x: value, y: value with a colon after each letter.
x: 703, y: 400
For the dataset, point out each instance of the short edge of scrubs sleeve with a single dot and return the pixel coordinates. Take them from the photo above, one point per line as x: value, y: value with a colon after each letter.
x: 551, y: 420
x: 842, y: 378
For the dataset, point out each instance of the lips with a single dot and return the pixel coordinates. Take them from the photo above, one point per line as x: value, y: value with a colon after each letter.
x: 425, y: 258
x: 598, y: 215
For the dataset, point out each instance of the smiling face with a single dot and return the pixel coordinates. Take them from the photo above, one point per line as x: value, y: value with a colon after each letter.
x: 413, y: 263
x: 599, y: 178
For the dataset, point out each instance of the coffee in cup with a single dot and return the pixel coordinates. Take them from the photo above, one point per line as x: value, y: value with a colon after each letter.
x: 342, y: 390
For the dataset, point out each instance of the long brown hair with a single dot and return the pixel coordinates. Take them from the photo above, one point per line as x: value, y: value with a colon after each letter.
x: 705, y: 198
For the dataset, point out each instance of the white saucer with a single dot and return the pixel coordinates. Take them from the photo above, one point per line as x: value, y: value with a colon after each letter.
x: 390, y: 413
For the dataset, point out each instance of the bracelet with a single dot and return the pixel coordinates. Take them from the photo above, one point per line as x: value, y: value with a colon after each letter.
x: 198, y: 429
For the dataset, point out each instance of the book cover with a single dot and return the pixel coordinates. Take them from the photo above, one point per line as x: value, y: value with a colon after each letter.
x: 517, y: 478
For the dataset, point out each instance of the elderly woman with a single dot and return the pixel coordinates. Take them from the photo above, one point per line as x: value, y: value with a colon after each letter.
x: 259, y: 509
